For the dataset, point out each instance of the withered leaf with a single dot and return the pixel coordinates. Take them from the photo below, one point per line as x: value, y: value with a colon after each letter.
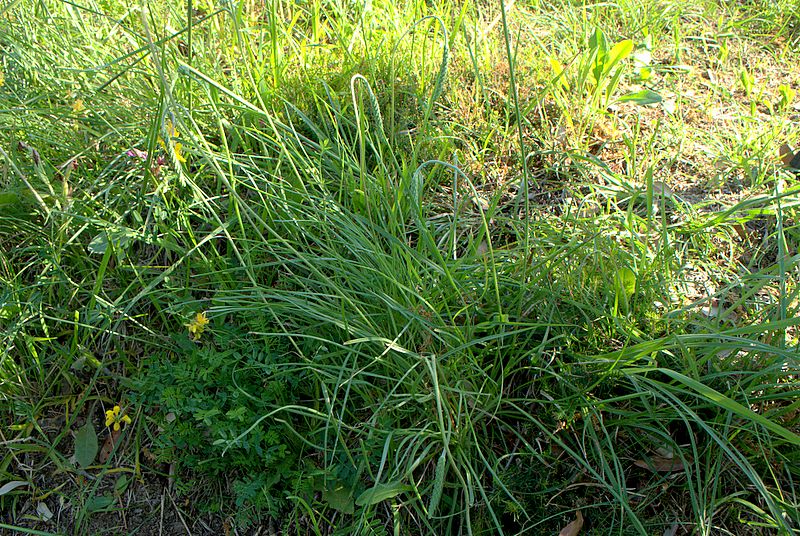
x: 574, y: 527
x: 790, y: 158
x: 786, y: 154
x: 661, y: 465
x: 108, y: 445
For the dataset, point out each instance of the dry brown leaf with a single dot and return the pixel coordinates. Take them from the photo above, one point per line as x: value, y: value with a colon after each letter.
x: 741, y: 230
x: 661, y: 188
x: 790, y: 158
x: 786, y: 154
x: 662, y: 465
x: 108, y: 446
x: 574, y: 527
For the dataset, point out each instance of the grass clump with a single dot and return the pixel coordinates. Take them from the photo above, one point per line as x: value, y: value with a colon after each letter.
x: 416, y: 271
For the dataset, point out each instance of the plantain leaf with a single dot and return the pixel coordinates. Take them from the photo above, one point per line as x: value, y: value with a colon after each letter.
x: 642, y: 97
x: 85, y: 445
x: 619, y: 52
x: 381, y: 492
x: 99, y: 503
x: 558, y: 70
x: 627, y: 280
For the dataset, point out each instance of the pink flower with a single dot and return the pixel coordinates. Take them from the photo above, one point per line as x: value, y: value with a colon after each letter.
x: 136, y: 153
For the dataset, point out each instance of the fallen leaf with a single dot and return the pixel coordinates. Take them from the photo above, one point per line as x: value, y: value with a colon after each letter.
x: 661, y: 188
x: 665, y: 452
x: 44, y: 512
x: 574, y: 527
x: 741, y: 230
x: 10, y: 486
x: 712, y: 310
x: 786, y: 154
x: 108, y: 446
x: 672, y: 530
x: 480, y: 202
x: 661, y: 465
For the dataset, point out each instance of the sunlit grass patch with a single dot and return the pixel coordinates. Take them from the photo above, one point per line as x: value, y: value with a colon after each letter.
x: 420, y: 268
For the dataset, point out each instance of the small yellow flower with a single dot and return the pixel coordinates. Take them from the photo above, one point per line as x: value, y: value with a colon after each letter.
x: 114, y: 419
x: 2, y: 77
x: 177, y: 147
x: 197, y: 326
x: 77, y: 106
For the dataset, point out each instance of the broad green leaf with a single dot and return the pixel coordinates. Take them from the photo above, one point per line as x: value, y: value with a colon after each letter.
x: 99, y: 244
x: 619, y: 52
x: 120, y: 238
x: 597, y: 41
x: 381, y: 492
x: 558, y: 70
x: 85, y: 445
x: 555, y: 65
x: 98, y: 503
x: 7, y: 312
x: 627, y: 280
x: 121, y: 484
x: 599, y: 47
x: 339, y: 498
x: 642, y: 97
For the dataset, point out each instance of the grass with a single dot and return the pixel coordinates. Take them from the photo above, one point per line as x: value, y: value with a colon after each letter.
x: 465, y: 270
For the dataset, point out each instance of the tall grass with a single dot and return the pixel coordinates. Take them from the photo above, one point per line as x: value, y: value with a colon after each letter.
x: 458, y: 355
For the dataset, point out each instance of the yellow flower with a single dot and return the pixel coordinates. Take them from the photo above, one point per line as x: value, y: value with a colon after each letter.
x: 2, y: 77
x: 114, y: 419
x: 197, y: 326
x: 78, y: 106
x: 177, y: 147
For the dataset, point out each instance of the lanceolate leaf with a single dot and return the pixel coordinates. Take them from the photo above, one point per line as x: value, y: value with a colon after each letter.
x: 11, y: 486
x: 619, y: 52
x: 438, y: 484
x: 642, y: 97
x: 627, y: 281
x: 381, y: 492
